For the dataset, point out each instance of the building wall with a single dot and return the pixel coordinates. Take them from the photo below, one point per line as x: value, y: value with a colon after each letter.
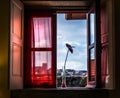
x: 107, y: 41
x: 4, y: 64
x: 4, y: 46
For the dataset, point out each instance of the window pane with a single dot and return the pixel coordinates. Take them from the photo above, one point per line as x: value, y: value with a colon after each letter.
x: 41, y: 68
x: 92, y: 64
x: 41, y: 36
x: 92, y: 27
x: 92, y: 53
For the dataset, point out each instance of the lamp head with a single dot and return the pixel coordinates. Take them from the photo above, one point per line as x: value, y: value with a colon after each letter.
x: 70, y: 48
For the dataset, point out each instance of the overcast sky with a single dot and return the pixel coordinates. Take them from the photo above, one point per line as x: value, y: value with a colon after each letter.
x: 74, y: 33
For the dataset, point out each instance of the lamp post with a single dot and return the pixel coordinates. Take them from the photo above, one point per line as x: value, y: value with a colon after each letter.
x: 70, y: 48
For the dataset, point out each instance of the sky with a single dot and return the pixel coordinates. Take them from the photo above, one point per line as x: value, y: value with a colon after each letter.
x: 72, y: 32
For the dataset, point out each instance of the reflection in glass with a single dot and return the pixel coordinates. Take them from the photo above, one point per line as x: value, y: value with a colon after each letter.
x: 92, y: 65
x: 92, y: 53
x: 41, y: 67
x: 92, y: 27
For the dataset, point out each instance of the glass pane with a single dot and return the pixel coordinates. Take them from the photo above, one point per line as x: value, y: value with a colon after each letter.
x: 41, y: 68
x: 92, y: 64
x: 92, y: 53
x: 92, y: 27
x: 41, y: 37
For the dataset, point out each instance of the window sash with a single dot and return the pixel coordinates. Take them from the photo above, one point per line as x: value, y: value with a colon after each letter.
x: 31, y: 48
x: 97, y: 45
x: 91, y: 44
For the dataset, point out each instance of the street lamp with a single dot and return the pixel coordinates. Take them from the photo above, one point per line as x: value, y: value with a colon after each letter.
x: 70, y: 48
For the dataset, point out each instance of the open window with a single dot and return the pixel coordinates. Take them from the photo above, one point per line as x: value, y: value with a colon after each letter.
x: 40, y: 46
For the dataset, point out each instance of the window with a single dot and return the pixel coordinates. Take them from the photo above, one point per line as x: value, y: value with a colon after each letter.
x: 43, y: 46
x: 39, y: 50
x: 40, y: 63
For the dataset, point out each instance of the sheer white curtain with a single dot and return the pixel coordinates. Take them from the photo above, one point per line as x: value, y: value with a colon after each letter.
x: 41, y: 39
x: 42, y: 32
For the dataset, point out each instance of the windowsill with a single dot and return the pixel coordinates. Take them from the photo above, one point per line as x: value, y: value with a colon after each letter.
x: 66, y: 88
x: 68, y: 92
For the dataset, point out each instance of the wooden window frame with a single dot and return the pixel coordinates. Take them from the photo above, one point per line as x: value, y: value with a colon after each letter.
x: 28, y: 83
x: 96, y: 45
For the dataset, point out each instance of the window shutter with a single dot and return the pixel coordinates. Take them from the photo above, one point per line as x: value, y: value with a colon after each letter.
x: 16, y: 45
x: 105, y: 44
